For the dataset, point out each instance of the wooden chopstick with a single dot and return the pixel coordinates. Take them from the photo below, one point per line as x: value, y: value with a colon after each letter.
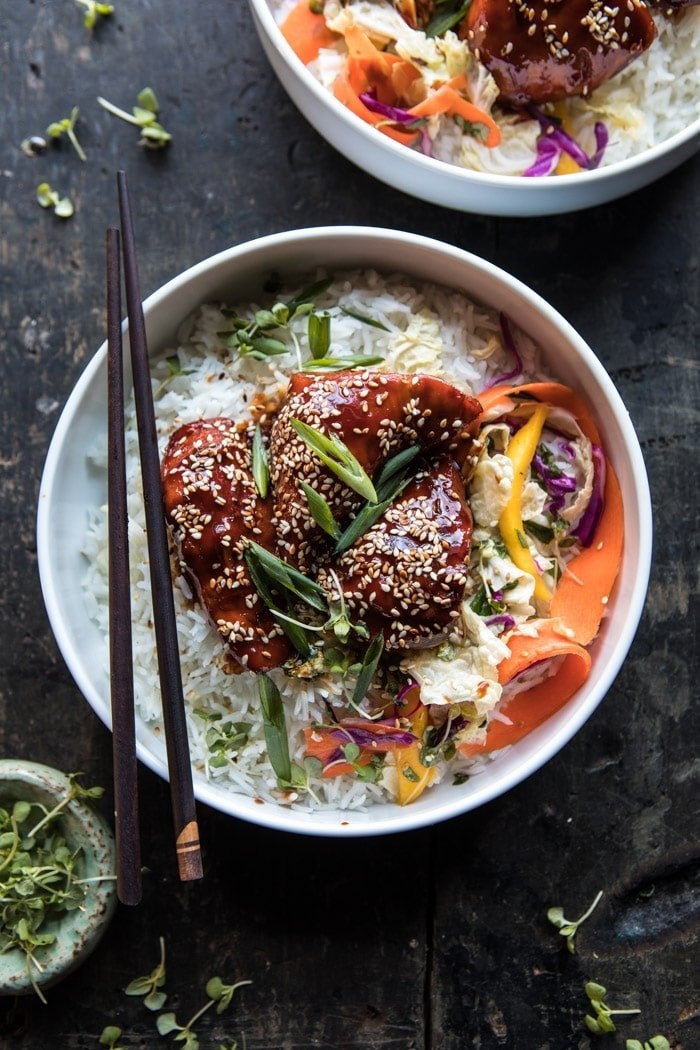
x: 126, y: 804
x: 187, y: 846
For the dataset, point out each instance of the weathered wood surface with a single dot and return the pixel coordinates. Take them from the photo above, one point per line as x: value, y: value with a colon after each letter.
x: 437, y: 938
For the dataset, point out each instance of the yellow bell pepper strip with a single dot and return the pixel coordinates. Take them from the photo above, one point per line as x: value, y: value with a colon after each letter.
x: 581, y: 595
x: 533, y: 706
x: 521, y: 449
x: 306, y: 32
x: 408, y: 759
x: 566, y: 164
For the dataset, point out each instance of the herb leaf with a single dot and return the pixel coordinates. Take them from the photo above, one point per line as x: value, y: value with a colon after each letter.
x: 365, y: 320
x: 319, y: 331
x: 320, y: 511
x: 368, y: 669
x: 275, y: 728
x: 335, y: 454
x: 339, y: 364
x: 261, y: 471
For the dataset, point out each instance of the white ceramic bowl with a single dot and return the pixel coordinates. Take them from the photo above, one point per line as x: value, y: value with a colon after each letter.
x: 441, y: 183
x: 69, y: 486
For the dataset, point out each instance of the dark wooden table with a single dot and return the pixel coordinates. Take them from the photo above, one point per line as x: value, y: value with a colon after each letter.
x: 437, y: 938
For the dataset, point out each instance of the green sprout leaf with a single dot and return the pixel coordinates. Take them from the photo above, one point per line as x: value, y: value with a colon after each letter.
x: 602, y: 1023
x: 66, y: 126
x: 110, y: 1037
x: 368, y: 669
x: 48, y: 198
x: 568, y: 928
x: 150, y: 986
x: 143, y: 116
x: 94, y: 10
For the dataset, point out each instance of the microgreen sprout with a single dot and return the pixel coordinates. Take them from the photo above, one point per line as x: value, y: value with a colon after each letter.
x: 110, y: 1037
x: 94, y: 10
x: 144, y: 115
x: 220, y: 996
x: 150, y: 986
x: 566, y: 927
x: 223, y: 739
x: 39, y: 875
x: 657, y: 1042
x: 66, y: 126
x: 275, y: 728
x: 602, y: 1023
x: 49, y: 198
x: 364, y: 770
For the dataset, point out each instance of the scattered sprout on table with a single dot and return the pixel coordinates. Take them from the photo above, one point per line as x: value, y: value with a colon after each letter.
x: 94, y: 10
x: 66, y: 126
x: 568, y: 928
x: 602, y: 1023
x: 656, y: 1042
x: 150, y: 986
x: 110, y: 1037
x: 144, y: 116
x: 49, y: 198
x: 220, y: 995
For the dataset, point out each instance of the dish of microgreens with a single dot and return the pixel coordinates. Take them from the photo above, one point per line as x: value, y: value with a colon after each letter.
x: 394, y: 538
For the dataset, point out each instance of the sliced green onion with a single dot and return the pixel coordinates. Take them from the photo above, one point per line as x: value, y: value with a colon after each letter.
x: 337, y: 364
x: 365, y: 320
x: 275, y: 728
x: 335, y: 454
x: 368, y: 669
x: 284, y: 575
x: 320, y: 511
x: 261, y: 470
x: 319, y: 334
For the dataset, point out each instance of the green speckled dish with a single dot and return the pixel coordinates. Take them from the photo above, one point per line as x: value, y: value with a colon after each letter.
x: 79, y: 931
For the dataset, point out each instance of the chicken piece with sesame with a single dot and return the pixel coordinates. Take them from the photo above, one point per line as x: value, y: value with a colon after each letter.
x: 407, y: 574
x: 547, y: 50
x: 212, y: 505
x: 376, y: 415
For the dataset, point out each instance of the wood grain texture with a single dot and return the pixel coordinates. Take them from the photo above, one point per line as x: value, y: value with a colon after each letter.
x: 436, y: 940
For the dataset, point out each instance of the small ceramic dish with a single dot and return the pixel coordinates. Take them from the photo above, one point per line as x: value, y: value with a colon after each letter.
x: 77, y: 932
x: 447, y: 184
x: 72, y: 488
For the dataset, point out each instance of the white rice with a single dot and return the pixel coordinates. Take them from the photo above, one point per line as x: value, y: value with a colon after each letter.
x: 655, y: 97
x: 216, y: 382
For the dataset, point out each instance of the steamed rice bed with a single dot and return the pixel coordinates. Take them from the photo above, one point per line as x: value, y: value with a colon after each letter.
x: 430, y: 330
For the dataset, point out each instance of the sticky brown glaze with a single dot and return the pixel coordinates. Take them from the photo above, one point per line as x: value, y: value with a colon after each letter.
x: 212, y: 504
x: 546, y: 50
x: 376, y: 415
x: 406, y: 576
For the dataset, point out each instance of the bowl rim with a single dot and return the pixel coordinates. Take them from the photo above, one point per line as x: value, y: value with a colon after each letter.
x: 405, y: 819
x: 433, y: 165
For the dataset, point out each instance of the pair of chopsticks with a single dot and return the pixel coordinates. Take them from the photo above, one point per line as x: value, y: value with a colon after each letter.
x: 121, y: 667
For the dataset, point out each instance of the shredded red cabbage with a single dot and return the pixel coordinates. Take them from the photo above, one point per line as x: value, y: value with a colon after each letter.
x: 588, y: 522
x: 398, y: 116
x: 554, y: 141
x: 364, y: 738
x: 503, y: 618
x: 405, y: 690
x: 509, y: 344
x: 556, y: 484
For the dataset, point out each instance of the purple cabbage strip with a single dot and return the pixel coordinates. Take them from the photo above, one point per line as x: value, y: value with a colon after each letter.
x: 547, y: 157
x: 509, y: 344
x: 555, y: 485
x: 395, y: 113
x: 363, y: 738
x: 405, y: 689
x: 560, y: 141
x: 588, y: 522
x: 503, y: 618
